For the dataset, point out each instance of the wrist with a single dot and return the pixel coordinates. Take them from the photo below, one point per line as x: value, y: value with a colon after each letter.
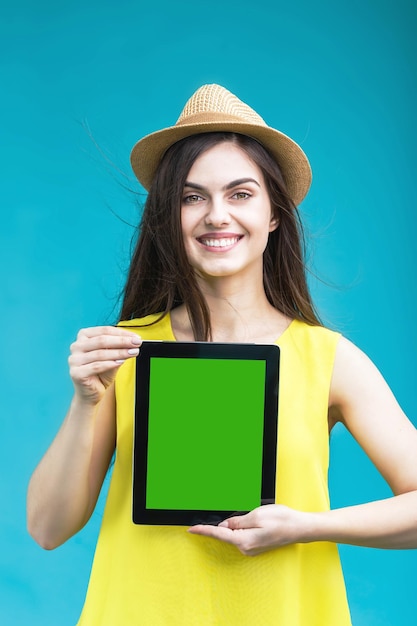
x: 82, y: 408
x: 313, y: 527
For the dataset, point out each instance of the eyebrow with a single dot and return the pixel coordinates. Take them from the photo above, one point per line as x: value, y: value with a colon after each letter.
x: 233, y: 183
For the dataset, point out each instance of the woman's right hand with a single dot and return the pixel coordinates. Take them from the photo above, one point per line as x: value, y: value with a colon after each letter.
x: 95, y: 357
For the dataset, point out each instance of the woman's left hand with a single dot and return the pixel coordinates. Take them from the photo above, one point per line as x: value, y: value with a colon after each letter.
x: 266, y: 527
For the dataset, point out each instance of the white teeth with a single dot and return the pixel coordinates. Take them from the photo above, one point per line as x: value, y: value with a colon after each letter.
x: 220, y: 243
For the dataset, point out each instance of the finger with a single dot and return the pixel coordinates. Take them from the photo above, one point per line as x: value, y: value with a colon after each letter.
x: 240, y: 521
x: 216, y: 532
x: 83, y: 373
x: 79, y: 358
x: 90, y: 342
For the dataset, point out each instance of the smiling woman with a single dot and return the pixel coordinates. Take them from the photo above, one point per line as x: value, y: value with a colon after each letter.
x: 220, y: 258
x: 161, y: 253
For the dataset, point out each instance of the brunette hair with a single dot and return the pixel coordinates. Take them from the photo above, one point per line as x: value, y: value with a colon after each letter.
x: 161, y: 277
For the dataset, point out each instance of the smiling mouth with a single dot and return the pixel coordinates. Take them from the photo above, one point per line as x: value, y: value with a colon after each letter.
x: 223, y: 242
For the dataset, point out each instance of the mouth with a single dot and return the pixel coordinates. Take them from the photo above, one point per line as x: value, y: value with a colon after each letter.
x: 219, y: 242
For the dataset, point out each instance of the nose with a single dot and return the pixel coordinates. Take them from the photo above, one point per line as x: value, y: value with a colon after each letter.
x: 217, y: 213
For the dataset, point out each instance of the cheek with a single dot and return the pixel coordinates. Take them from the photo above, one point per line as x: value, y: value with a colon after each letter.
x: 187, y: 228
x: 262, y: 224
x: 186, y: 219
x: 190, y: 221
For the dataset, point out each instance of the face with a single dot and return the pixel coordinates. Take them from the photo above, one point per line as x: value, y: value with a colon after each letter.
x: 226, y: 214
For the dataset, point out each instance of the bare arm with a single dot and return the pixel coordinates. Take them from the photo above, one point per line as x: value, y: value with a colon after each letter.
x: 65, y: 486
x: 361, y: 399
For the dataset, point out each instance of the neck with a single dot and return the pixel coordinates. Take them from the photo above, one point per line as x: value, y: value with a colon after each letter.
x: 238, y: 312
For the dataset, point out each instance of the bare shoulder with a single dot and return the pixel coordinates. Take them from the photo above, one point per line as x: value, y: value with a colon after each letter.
x: 361, y: 398
x: 353, y: 369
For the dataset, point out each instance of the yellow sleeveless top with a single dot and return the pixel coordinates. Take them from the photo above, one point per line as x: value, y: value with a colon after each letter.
x: 163, y: 576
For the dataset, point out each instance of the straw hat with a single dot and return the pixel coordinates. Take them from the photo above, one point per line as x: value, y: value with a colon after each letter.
x: 213, y: 108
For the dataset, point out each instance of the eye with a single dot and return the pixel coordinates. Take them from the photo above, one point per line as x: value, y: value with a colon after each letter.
x: 192, y: 198
x: 241, y: 195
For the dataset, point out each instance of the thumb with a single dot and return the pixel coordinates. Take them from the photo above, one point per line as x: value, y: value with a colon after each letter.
x: 239, y: 521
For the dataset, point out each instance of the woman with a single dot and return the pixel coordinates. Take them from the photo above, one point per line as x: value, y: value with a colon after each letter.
x: 219, y: 258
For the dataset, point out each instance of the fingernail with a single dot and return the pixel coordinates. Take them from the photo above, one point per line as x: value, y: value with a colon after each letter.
x: 120, y: 361
x: 133, y: 351
x: 136, y: 340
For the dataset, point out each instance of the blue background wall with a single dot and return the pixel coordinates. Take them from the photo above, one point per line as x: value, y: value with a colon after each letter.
x: 80, y: 83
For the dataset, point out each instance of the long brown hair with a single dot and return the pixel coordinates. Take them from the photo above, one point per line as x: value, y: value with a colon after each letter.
x: 161, y: 277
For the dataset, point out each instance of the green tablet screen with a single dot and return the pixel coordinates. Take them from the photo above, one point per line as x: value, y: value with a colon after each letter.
x: 205, y: 435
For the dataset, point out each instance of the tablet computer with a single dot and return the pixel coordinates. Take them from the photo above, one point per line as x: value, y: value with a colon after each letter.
x: 205, y: 431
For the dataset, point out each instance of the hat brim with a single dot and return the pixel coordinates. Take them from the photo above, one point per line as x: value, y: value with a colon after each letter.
x: 148, y: 152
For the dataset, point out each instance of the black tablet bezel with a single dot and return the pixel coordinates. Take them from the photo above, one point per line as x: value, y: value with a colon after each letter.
x: 270, y: 354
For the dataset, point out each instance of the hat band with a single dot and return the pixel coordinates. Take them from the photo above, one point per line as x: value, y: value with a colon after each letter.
x: 215, y: 117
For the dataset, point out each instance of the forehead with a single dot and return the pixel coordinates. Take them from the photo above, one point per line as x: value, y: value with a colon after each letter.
x: 223, y: 162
